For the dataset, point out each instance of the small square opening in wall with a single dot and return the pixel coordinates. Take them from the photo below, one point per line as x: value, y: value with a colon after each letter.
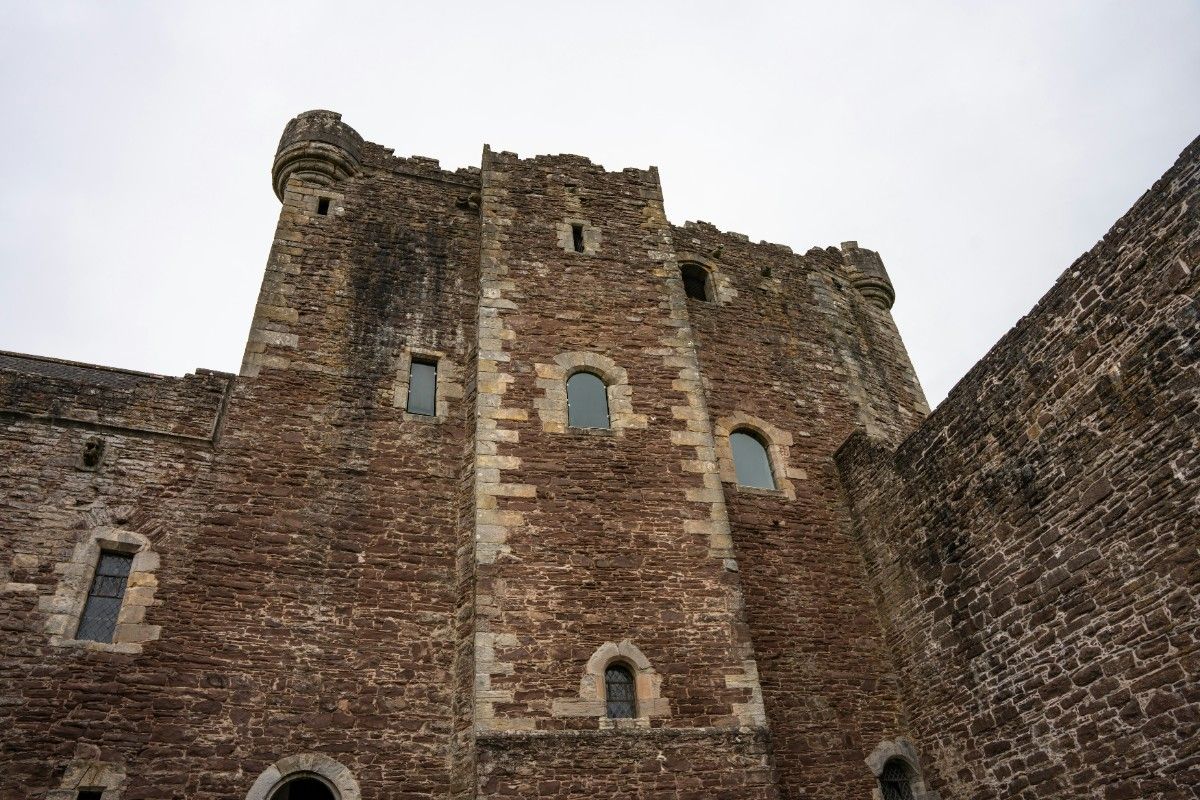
x: 90, y: 794
x: 323, y: 206
x: 577, y: 237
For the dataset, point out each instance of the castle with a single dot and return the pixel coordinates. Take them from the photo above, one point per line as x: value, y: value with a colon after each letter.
x: 524, y: 492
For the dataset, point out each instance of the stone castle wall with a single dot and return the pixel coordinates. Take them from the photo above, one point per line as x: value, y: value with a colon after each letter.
x: 423, y: 606
x: 788, y: 356
x: 1033, y: 545
x: 594, y: 539
x: 306, y: 580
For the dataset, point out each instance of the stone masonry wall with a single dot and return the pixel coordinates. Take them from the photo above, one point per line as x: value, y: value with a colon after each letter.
x: 782, y: 352
x: 1033, y: 545
x: 66, y: 701
x: 679, y: 764
x: 305, y: 599
x: 594, y: 539
x: 101, y: 399
x: 418, y: 606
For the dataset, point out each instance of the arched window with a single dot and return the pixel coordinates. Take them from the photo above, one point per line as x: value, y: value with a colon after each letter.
x: 587, y: 401
x: 304, y: 787
x: 895, y: 782
x: 695, y: 281
x: 750, y: 460
x: 619, y: 694
x: 99, y: 619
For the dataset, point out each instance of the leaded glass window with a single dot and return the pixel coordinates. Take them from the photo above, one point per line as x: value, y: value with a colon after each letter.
x: 695, y: 281
x: 99, y: 618
x: 422, y: 388
x: 751, y: 461
x: 587, y: 401
x: 896, y: 781
x: 619, y: 694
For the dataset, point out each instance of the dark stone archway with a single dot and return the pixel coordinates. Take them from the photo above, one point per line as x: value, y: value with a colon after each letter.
x: 304, y: 788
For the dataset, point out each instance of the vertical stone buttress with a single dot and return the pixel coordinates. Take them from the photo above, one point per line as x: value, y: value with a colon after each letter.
x: 595, y: 539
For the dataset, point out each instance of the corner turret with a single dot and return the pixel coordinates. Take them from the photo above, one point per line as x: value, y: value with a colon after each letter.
x: 868, y: 275
x: 316, y: 147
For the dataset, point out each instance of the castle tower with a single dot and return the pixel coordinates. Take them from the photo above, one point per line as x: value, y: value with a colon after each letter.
x: 892, y: 400
x: 470, y: 519
x: 523, y: 491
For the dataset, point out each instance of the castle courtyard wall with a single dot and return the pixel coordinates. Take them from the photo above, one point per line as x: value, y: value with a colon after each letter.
x: 1032, y: 546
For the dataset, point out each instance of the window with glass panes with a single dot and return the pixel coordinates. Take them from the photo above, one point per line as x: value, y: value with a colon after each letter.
x: 422, y: 388
x: 751, y: 461
x: 619, y: 695
x: 895, y: 782
x: 99, y: 619
x: 587, y: 401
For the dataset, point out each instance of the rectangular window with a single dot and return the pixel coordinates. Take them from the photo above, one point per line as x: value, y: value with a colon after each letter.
x: 422, y: 388
x: 99, y: 618
x: 323, y: 206
x: 90, y: 794
x: 577, y: 237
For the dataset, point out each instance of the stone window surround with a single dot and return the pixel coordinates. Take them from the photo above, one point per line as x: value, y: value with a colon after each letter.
x: 902, y: 749
x: 449, y: 384
x: 720, y: 288
x: 310, y: 196
x: 83, y: 774
x: 65, y: 606
x: 650, y: 703
x: 552, y: 405
x: 566, y: 236
x: 778, y: 442
x: 306, y: 765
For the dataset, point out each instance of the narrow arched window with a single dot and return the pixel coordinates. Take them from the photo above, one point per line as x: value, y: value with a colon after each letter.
x: 619, y: 694
x: 587, y: 401
x: 751, y: 461
x: 98, y: 622
x: 895, y: 782
x: 695, y: 281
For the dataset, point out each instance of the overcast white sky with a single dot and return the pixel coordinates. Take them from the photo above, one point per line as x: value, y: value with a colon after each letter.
x: 980, y: 147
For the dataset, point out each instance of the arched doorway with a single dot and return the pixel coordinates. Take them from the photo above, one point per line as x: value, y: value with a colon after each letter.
x: 895, y: 782
x: 305, y: 776
x: 897, y: 771
x: 304, y: 787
